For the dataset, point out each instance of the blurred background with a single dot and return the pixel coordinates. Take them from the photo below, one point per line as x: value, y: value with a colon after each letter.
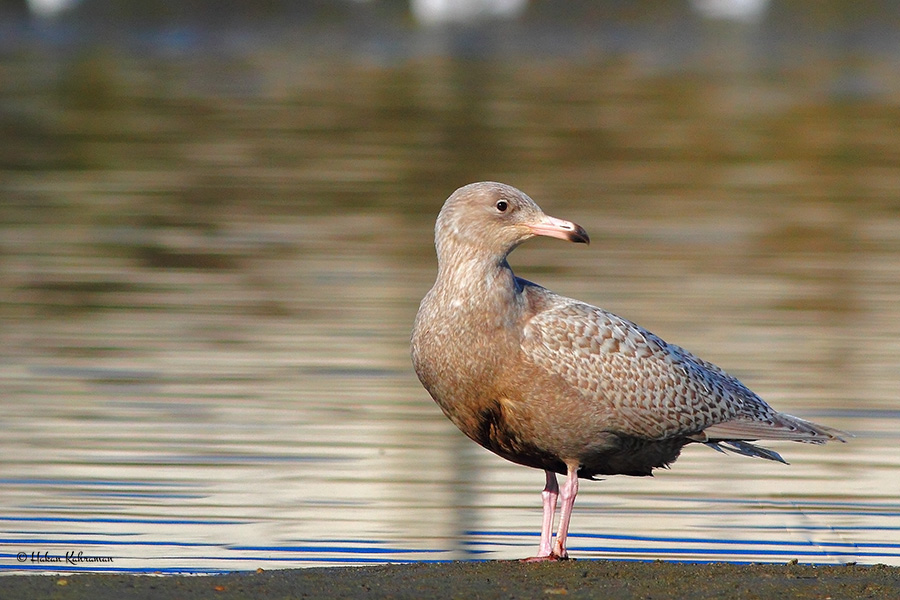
x: 216, y: 226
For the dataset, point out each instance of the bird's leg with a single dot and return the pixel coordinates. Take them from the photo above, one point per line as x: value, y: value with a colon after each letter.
x: 549, y: 497
x: 567, y: 494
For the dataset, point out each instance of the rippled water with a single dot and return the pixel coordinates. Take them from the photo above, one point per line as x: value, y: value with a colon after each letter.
x: 209, y: 267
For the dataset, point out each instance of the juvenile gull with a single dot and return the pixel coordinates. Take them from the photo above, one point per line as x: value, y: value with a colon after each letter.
x: 556, y: 384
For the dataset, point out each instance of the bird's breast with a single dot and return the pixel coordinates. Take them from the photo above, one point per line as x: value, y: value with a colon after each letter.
x: 496, y: 427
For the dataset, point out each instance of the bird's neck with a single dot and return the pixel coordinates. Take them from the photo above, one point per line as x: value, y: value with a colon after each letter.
x: 471, y: 274
x: 479, y: 294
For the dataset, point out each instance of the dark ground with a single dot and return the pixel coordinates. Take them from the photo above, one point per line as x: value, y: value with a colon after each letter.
x: 474, y: 580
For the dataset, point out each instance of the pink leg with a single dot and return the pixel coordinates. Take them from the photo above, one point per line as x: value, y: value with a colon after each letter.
x: 567, y: 495
x: 549, y: 497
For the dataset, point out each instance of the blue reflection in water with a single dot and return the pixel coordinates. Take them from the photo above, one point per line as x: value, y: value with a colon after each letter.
x: 663, y: 546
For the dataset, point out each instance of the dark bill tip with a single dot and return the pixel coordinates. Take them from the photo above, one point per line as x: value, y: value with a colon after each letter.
x: 579, y: 235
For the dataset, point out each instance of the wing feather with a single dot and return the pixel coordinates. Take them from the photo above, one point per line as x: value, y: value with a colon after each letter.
x: 645, y: 387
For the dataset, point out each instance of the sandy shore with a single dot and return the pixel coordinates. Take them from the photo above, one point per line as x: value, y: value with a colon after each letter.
x: 473, y: 580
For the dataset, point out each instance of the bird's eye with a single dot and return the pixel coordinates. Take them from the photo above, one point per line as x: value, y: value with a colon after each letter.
x: 502, y: 206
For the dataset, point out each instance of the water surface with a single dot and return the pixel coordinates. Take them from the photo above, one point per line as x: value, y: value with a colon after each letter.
x: 210, y: 263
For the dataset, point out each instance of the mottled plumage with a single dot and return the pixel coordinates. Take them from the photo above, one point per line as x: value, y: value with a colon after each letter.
x: 556, y: 384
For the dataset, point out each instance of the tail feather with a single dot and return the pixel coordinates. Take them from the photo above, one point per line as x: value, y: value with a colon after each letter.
x: 745, y: 449
x: 735, y: 436
x: 780, y: 427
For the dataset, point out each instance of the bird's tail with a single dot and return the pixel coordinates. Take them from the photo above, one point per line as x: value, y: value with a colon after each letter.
x: 778, y: 426
x: 745, y: 449
x: 736, y: 435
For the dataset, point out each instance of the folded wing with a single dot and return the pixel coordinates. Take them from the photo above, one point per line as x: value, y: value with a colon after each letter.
x: 644, y: 387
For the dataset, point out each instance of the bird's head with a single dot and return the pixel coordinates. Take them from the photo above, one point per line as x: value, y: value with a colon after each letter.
x: 493, y: 218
